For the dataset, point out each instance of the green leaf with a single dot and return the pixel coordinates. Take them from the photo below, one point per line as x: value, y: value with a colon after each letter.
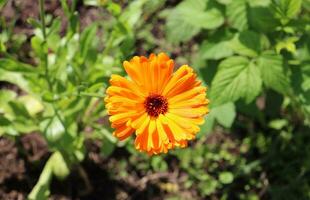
x: 278, y: 124
x: 188, y: 18
x: 86, y: 40
x: 6, y: 96
x: 19, y: 110
x: 236, y: 13
x: 272, y: 72
x: 224, y: 1
x: 159, y: 164
x: 15, y: 78
x: 262, y: 19
x: 207, y: 127
x: 226, y: 177
x: 15, y: 66
x: 258, y: 3
x: 290, y: 7
x: 288, y: 44
x: 53, y: 129
x: 4, y: 121
x: 305, y: 69
x: 132, y: 14
x: 215, y: 51
x: 107, y: 147
x: 32, y: 104
x: 246, y: 43
x: 41, y: 189
x: 60, y: 167
x: 225, y: 114
x: 236, y: 78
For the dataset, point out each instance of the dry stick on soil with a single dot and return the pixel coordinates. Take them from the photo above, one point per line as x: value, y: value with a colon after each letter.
x: 88, y: 187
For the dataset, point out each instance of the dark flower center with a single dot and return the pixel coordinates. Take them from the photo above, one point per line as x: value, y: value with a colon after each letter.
x: 155, y: 105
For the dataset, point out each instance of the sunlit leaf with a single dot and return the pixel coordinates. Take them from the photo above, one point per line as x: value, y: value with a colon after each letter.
x: 237, y: 14
x: 272, y: 72
x: 236, y: 78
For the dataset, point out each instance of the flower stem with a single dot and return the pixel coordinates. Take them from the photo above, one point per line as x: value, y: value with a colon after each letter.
x: 45, y: 58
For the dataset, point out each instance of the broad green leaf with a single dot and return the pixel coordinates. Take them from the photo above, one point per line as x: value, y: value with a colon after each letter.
x: 187, y: 19
x: 225, y: 114
x: 290, y: 7
x: 262, y: 19
x: 215, y: 50
x: 236, y: 78
x: 246, y: 43
x: 236, y: 13
x: 15, y: 66
x: 272, y: 72
x: 208, y: 125
x: 132, y: 13
x: 177, y: 30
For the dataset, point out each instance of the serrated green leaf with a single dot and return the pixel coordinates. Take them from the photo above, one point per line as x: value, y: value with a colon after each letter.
x: 291, y: 7
x: 132, y: 13
x: 246, y: 43
x: 272, y: 72
x: 262, y: 19
x: 188, y: 18
x: 225, y: 114
x: 215, y: 50
x: 236, y: 13
x: 236, y: 78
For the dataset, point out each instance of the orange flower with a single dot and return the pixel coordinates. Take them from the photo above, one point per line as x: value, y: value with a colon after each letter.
x: 163, y: 108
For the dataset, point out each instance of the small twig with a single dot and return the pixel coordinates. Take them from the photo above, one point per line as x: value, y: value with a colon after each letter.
x: 88, y: 187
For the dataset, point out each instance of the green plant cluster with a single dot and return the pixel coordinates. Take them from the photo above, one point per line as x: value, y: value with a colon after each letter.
x: 254, y: 56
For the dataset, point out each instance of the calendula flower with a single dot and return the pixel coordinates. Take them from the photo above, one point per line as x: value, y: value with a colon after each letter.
x: 162, y: 108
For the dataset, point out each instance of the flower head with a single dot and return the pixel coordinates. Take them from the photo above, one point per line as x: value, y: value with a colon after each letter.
x: 162, y: 108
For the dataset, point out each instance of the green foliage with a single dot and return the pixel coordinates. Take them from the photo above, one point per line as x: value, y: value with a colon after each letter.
x: 254, y: 56
x: 189, y: 17
x: 237, y: 77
